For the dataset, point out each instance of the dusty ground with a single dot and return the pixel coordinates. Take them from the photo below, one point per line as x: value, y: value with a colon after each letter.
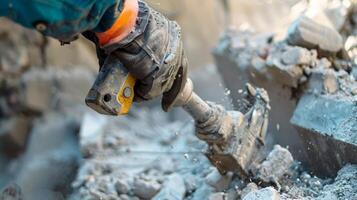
x: 145, y: 156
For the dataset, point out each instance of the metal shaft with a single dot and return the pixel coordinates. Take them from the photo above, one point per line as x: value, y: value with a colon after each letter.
x: 198, y: 108
x: 193, y: 104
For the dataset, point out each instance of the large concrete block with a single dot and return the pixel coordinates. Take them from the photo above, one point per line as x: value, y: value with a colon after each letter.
x: 328, y: 126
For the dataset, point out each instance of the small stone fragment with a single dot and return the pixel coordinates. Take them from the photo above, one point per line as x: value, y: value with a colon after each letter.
x: 307, y: 33
x: 173, y: 189
x: 218, y: 181
x: 145, y: 188
x: 251, y: 187
x: 276, y: 165
x: 297, y: 56
x: 268, y: 193
x: 330, y: 82
x: 286, y: 74
x: 122, y: 187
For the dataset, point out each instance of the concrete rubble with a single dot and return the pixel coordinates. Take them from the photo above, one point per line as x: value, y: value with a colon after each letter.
x: 310, y: 78
x: 129, y: 167
x: 276, y: 165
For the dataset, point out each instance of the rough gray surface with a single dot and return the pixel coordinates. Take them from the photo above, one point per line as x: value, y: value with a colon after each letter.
x: 289, y: 70
x: 307, y: 33
x: 173, y: 189
x: 344, y: 187
x: 277, y: 164
x: 268, y: 193
x: 164, y: 160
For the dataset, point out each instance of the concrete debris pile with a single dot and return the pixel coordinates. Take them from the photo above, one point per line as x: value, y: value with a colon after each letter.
x: 146, y: 156
x: 311, y: 79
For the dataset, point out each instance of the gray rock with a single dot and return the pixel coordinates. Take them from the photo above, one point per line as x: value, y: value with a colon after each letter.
x: 323, y: 81
x: 286, y: 74
x: 297, y: 56
x: 218, y: 181
x: 330, y: 82
x: 276, y: 165
x: 145, y: 188
x: 268, y: 193
x: 251, y: 187
x: 307, y: 33
x: 203, y: 192
x: 122, y: 186
x: 173, y: 189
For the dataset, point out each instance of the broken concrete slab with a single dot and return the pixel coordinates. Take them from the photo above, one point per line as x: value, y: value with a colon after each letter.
x: 276, y: 165
x: 307, y: 33
x: 326, y: 121
x: 268, y: 193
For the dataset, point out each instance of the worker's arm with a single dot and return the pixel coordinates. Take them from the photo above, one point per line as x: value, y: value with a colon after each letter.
x: 142, y: 39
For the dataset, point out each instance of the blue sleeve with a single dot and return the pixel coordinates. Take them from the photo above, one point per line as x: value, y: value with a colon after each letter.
x: 62, y: 19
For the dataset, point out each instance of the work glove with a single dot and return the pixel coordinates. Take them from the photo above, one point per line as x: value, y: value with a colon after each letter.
x: 153, y: 54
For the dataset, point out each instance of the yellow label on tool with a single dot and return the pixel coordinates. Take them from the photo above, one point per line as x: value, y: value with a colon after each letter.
x: 126, y: 94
